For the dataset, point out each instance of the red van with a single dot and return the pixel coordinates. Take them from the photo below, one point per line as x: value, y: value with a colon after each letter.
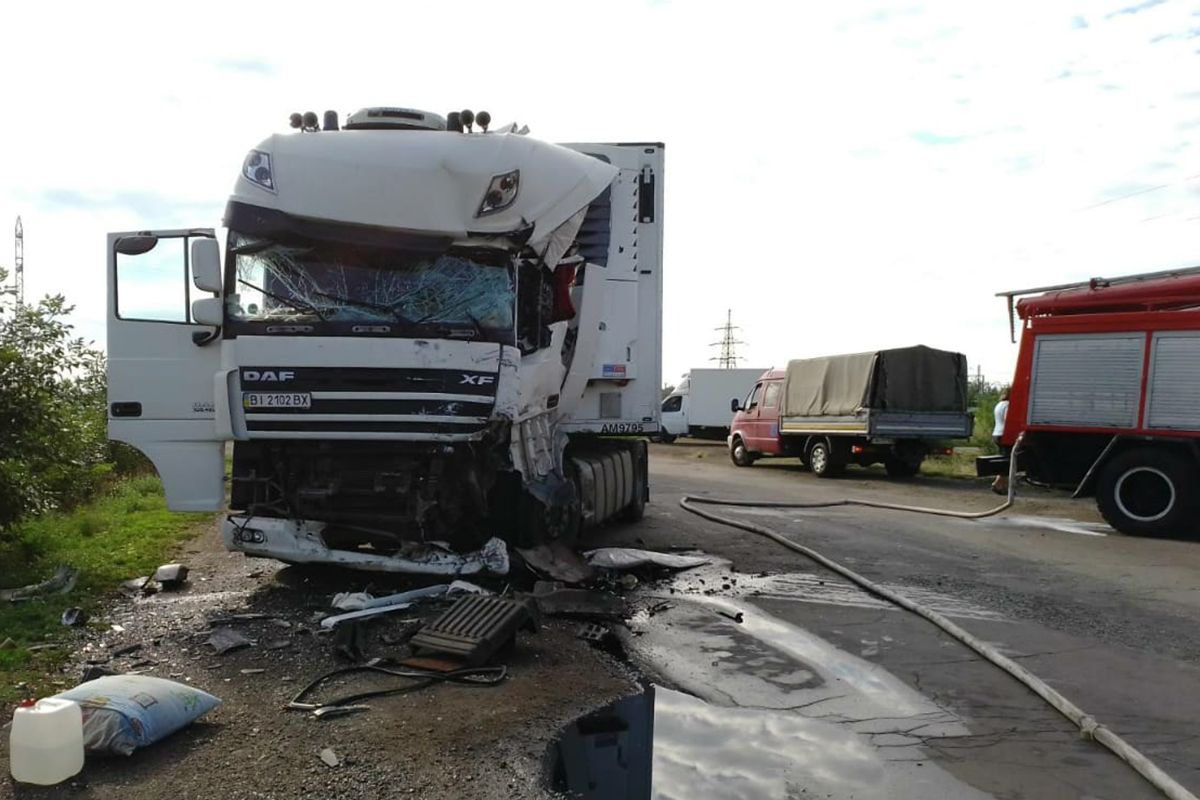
x: 893, y: 407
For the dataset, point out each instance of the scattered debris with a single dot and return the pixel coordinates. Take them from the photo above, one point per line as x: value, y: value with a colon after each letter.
x: 330, y: 758
x: 124, y: 712
x: 171, y: 576
x: 628, y: 582
x: 350, y: 642
x: 554, y: 599
x: 61, y: 582
x: 229, y: 619
x: 630, y: 558
x: 8, y: 644
x: 278, y: 644
x: 126, y: 650
x: 591, y: 632
x: 407, y: 630
x: 735, y: 617
x: 95, y: 671
x: 557, y: 561
x: 253, y: 671
x: 116, y: 628
x: 142, y: 585
x: 74, y: 616
x: 375, y: 606
x: 223, y: 640
x: 658, y: 608
x: 475, y: 627
x: 338, y: 711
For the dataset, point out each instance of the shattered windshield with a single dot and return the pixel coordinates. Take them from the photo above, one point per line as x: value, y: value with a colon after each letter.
x: 452, y: 293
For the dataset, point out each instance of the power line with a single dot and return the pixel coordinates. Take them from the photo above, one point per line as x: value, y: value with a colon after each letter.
x: 728, y: 356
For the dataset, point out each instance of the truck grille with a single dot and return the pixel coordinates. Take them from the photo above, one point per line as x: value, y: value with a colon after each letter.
x: 368, y: 400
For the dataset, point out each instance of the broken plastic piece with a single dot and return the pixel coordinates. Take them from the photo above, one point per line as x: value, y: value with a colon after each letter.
x: 223, y: 640
x: 556, y: 600
x: 557, y: 561
x: 74, y: 617
x: 591, y: 632
x: 61, y: 582
x: 171, y: 576
x: 630, y: 558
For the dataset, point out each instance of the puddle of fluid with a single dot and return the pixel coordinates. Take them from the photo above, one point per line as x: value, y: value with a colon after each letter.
x: 811, y: 587
x: 1062, y: 524
x: 665, y: 745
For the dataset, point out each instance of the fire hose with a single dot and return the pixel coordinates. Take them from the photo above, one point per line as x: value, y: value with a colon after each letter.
x: 1088, y: 726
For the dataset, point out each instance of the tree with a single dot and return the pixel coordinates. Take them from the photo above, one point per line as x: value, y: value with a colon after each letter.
x: 53, y: 443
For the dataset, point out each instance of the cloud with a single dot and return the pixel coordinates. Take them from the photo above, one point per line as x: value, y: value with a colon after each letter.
x: 249, y: 66
x: 1136, y: 8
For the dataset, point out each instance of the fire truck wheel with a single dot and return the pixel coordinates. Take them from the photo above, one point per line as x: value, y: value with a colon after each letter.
x: 822, y: 461
x: 1149, y: 492
x: 738, y: 453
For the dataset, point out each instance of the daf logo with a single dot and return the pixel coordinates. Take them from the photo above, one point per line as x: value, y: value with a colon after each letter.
x: 478, y: 380
x: 278, y: 375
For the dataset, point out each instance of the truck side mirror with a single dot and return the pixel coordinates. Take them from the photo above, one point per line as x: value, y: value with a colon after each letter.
x: 734, y: 405
x: 206, y: 267
x: 207, y: 310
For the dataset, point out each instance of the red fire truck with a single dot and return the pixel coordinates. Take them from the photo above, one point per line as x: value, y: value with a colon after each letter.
x: 1107, y: 395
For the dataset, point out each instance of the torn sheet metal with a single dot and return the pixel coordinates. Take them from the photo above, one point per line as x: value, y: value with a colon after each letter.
x: 300, y: 542
x: 367, y: 179
x: 369, y: 606
x: 557, y: 561
x: 621, y: 558
x: 535, y: 449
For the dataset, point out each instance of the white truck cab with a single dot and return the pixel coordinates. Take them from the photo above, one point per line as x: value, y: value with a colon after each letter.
x: 415, y: 334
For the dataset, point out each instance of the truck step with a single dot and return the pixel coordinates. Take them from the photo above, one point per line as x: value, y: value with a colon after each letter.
x: 475, y: 627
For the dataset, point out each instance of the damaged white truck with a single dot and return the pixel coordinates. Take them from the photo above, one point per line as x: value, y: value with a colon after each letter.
x: 426, y: 341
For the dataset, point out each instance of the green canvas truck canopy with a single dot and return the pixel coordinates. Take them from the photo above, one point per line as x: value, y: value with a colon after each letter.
x: 919, y: 379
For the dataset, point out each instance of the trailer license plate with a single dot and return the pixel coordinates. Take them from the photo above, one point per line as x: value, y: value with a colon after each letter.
x: 276, y: 400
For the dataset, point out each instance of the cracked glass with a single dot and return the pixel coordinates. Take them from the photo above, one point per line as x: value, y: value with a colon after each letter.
x: 454, y: 294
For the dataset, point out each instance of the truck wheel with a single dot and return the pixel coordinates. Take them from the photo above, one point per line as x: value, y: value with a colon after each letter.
x: 739, y: 454
x: 1149, y: 492
x: 900, y: 468
x: 822, y: 462
x: 666, y: 438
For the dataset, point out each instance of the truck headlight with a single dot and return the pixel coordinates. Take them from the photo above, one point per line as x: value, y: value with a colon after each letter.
x: 500, y: 194
x: 257, y: 169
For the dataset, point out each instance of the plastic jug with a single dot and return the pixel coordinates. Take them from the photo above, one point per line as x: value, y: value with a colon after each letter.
x: 46, y: 746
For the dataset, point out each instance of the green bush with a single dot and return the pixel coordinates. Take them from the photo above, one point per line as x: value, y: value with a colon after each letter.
x: 982, y: 399
x: 53, y: 442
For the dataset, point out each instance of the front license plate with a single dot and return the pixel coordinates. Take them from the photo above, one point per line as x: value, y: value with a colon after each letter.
x: 276, y: 400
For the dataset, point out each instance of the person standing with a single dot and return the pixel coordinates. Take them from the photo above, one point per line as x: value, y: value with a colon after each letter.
x: 1000, y: 414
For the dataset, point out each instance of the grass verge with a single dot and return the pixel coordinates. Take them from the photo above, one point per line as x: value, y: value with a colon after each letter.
x: 124, y: 533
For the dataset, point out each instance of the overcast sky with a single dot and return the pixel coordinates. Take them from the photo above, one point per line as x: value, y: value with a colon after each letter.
x: 843, y: 176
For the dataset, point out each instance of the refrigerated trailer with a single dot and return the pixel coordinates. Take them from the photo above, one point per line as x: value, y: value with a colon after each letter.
x: 1105, y: 396
x: 420, y: 333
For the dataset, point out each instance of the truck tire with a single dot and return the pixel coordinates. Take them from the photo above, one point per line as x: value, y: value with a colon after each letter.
x: 637, y: 507
x: 901, y: 468
x: 666, y: 438
x: 822, y: 461
x: 1149, y: 492
x: 738, y: 454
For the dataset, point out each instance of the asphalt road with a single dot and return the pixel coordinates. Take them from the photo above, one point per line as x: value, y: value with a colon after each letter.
x: 1108, y: 620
